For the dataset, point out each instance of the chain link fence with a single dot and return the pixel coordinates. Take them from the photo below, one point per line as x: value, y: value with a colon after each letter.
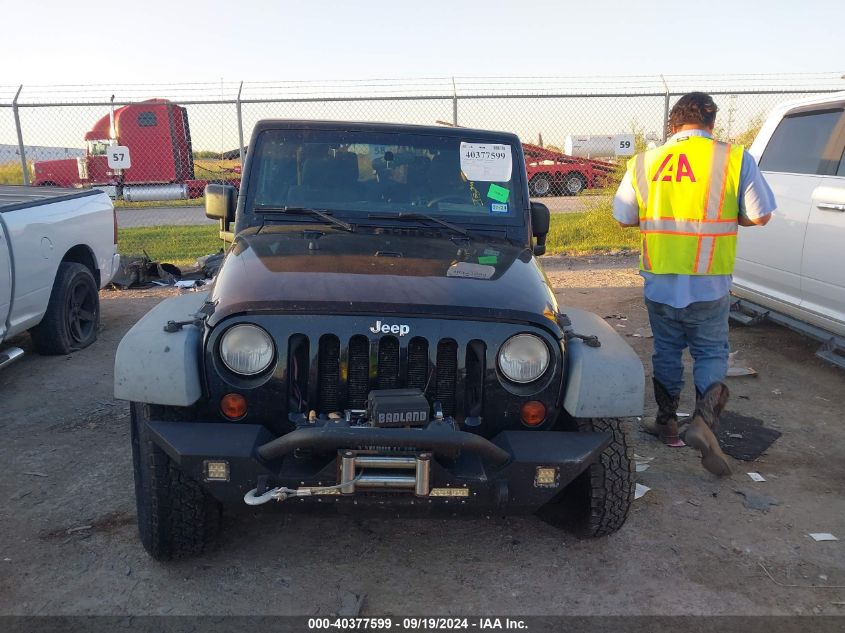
x: 183, y: 136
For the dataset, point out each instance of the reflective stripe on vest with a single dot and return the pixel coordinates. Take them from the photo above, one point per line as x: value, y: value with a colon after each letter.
x: 718, y: 180
x: 704, y: 256
x: 687, y: 191
x: 689, y: 227
x: 642, y: 179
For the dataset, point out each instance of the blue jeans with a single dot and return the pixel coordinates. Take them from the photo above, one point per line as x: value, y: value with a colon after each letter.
x: 701, y: 326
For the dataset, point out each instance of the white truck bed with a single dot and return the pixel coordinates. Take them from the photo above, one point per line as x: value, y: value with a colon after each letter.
x: 15, y: 196
x: 40, y: 228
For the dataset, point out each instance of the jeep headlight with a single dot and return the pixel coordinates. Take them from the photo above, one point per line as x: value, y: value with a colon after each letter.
x: 523, y: 358
x: 246, y: 349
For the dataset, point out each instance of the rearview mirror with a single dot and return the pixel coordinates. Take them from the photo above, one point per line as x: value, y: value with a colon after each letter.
x: 540, y: 222
x: 220, y: 202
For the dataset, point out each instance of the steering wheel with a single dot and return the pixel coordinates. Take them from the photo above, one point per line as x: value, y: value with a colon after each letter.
x: 439, y: 199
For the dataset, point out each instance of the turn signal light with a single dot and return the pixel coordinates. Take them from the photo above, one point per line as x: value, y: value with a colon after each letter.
x: 533, y: 413
x: 233, y: 406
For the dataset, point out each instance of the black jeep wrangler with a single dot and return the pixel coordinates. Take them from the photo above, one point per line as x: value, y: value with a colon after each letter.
x: 380, y: 336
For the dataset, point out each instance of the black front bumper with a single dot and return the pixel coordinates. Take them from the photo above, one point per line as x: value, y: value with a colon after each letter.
x: 467, y: 471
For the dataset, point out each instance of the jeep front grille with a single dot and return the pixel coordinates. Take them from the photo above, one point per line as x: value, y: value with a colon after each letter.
x: 388, y: 363
x: 417, y: 363
x: 329, y: 372
x: 359, y: 373
x: 447, y: 374
x: 345, y: 372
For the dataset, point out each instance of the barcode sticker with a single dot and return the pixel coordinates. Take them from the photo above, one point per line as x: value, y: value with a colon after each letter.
x: 485, y: 162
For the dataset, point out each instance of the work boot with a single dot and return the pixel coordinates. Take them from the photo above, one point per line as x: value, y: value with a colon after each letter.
x: 701, y: 431
x: 665, y: 424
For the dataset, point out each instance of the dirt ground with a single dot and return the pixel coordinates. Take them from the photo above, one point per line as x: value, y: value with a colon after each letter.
x: 68, y: 541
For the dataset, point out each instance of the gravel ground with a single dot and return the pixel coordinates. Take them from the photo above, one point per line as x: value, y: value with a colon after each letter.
x: 68, y: 541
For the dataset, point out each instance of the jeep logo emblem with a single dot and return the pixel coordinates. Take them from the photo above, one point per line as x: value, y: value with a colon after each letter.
x: 383, y: 328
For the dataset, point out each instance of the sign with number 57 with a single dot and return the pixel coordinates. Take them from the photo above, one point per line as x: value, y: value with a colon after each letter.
x: 623, y: 144
x: 118, y: 157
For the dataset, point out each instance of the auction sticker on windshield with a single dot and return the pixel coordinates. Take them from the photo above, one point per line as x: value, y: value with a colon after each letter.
x: 486, y: 162
x: 469, y: 270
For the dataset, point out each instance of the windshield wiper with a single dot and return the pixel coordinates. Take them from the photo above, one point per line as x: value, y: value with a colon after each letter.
x: 419, y: 216
x: 317, y: 213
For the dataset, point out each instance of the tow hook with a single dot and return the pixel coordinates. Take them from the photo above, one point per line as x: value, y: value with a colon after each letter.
x: 252, y: 498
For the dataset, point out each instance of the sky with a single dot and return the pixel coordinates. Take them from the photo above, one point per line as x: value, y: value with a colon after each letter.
x: 197, y: 48
x: 61, y: 42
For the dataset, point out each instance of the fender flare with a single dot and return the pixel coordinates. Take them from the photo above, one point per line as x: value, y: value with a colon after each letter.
x: 602, y: 382
x: 160, y: 367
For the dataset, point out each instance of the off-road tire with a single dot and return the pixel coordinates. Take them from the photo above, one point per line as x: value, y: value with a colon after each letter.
x: 606, y: 487
x: 73, y: 312
x: 597, y: 502
x: 176, y: 517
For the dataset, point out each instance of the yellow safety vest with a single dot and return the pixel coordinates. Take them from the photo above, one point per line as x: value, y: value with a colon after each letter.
x: 687, y: 191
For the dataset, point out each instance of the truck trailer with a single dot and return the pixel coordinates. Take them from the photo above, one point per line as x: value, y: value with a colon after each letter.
x: 553, y: 173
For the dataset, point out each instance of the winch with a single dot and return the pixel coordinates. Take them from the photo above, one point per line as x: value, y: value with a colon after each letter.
x: 364, y: 463
x: 397, y: 407
x: 361, y: 470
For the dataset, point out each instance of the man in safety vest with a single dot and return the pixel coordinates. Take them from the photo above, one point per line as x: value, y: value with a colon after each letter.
x: 688, y: 197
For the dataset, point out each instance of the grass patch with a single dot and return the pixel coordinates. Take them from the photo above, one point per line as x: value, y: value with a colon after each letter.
x: 180, y: 245
x: 190, y: 202
x: 592, y: 231
x: 12, y: 174
x: 210, y: 169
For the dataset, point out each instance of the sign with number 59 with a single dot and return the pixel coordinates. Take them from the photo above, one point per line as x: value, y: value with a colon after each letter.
x: 118, y: 157
x: 623, y: 144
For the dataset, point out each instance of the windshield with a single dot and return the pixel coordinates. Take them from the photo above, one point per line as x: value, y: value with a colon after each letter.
x: 360, y: 172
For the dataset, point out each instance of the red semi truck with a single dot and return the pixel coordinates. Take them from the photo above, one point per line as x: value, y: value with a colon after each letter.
x: 555, y: 173
x: 159, y: 140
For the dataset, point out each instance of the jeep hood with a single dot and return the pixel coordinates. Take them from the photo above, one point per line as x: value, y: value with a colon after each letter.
x: 386, y: 271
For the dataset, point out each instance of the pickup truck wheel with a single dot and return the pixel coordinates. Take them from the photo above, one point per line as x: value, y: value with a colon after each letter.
x: 597, y: 502
x: 540, y: 185
x: 573, y: 184
x: 176, y: 517
x: 73, y: 312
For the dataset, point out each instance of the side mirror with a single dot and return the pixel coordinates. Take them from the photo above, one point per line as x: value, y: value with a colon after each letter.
x: 540, y: 222
x: 220, y: 203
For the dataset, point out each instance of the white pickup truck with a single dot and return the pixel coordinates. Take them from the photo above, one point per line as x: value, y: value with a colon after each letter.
x: 793, y: 271
x: 57, y: 249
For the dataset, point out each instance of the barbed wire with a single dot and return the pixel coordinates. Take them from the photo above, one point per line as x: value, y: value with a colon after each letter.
x: 423, y: 87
